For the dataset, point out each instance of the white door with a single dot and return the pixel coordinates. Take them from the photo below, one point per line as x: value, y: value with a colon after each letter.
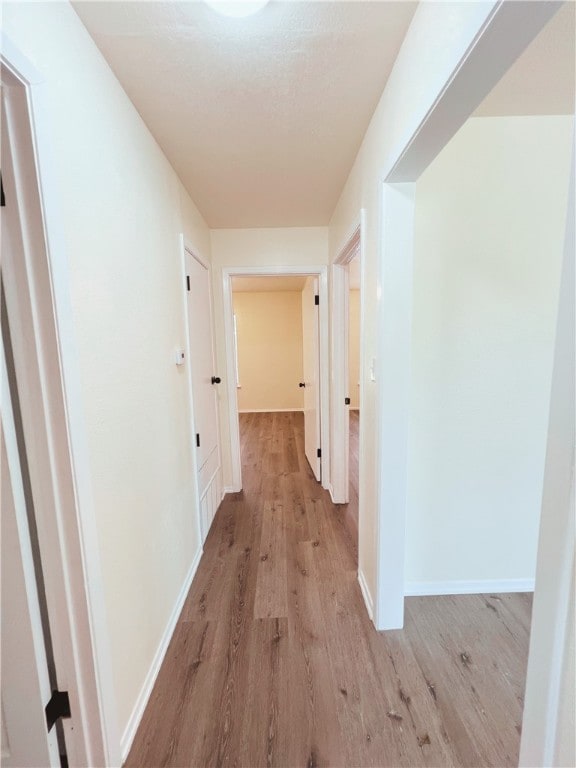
x: 25, y: 689
x: 204, y: 378
x: 311, y: 366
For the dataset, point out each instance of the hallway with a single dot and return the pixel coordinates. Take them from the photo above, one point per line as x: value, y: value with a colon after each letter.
x: 274, y: 661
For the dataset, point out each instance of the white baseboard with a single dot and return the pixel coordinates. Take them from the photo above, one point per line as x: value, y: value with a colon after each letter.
x: 274, y: 410
x: 146, y: 690
x: 366, y: 595
x: 481, y: 586
x: 230, y: 489
x: 331, y: 492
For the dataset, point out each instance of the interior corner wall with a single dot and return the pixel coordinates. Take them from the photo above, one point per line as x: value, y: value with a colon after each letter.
x: 489, y: 235
x: 122, y: 210
x: 354, y: 348
x: 269, y: 338
x: 268, y: 248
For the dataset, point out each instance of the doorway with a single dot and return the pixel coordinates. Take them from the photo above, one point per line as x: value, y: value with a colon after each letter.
x: 354, y: 376
x: 276, y: 323
x: 314, y: 379
x: 35, y: 280
x: 348, y: 368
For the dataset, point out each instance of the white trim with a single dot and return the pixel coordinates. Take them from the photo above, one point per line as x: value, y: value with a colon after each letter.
x: 352, y: 247
x: 273, y: 410
x: 508, y: 28
x: 339, y: 411
x: 28, y: 732
x: 330, y: 490
x: 352, y: 243
x: 232, y: 390
x: 368, y: 601
x: 394, y: 290
x: 148, y: 685
x: 475, y: 587
x: 269, y: 271
x: 46, y: 361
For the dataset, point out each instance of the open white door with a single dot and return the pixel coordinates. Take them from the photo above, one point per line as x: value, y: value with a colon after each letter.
x: 24, y: 668
x: 204, y: 384
x: 311, y: 367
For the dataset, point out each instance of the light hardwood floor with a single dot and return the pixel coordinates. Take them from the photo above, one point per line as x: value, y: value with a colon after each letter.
x: 274, y: 661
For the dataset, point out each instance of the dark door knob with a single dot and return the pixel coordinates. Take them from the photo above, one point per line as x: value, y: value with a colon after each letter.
x: 301, y: 384
x: 216, y: 379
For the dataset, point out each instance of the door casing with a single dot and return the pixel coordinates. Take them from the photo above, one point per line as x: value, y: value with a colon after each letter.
x: 38, y: 304
x: 267, y: 271
x: 339, y: 333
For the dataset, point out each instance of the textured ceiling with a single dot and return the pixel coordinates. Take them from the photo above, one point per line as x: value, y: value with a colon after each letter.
x: 541, y: 81
x: 260, y: 284
x: 261, y: 117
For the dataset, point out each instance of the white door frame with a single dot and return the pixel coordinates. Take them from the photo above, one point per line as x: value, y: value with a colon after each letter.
x: 38, y: 304
x: 340, y: 459
x: 508, y: 28
x: 265, y: 271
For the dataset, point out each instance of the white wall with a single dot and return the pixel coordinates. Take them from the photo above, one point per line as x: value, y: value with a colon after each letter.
x: 438, y: 37
x: 269, y: 333
x: 268, y: 248
x: 489, y: 234
x: 123, y: 210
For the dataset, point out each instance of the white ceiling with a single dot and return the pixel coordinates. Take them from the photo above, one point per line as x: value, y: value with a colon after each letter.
x: 261, y: 284
x: 261, y: 117
x: 541, y: 81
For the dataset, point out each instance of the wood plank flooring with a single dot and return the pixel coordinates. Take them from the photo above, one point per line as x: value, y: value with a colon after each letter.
x: 274, y: 661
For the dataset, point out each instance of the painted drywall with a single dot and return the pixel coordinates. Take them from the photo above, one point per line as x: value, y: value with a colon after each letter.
x: 489, y: 234
x: 267, y: 248
x: 438, y: 37
x: 122, y: 209
x: 354, y: 348
x: 269, y: 336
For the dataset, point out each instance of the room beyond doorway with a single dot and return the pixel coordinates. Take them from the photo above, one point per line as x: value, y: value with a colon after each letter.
x: 317, y: 278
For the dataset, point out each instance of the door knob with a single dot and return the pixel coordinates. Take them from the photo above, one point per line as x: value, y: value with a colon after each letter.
x: 301, y: 384
x: 216, y: 379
